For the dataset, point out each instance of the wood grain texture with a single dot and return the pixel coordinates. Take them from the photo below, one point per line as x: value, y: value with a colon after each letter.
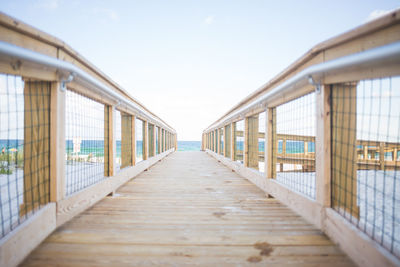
x: 188, y: 210
x: 344, y: 148
x: 36, y: 150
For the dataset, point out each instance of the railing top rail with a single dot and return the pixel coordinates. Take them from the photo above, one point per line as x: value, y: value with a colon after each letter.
x: 388, y: 54
x: 102, y: 81
x: 299, y: 65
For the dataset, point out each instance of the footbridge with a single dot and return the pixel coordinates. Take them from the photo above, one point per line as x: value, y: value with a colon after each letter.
x: 305, y: 171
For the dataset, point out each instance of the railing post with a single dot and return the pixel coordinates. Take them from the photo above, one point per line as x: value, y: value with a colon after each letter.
x: 164, y: 139
x: 154, y: 139
x: 133, y: 125
x: 233, y: 140
x: 57, y: 142
x: 323, y: 147
x: 227, y: 141
x: 126, y: 139
x: 108, y: 141
x: 270, y: 143
x: 176, y: 142
x: 251, y: 142
x: 160, y: 140
x: 382, y: 155
x: 218, y: 131
x: 145, y: 140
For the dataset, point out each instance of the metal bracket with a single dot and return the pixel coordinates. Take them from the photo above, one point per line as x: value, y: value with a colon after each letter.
x: 68, y: 80
x: 316, y: 84
x: 16, y: 65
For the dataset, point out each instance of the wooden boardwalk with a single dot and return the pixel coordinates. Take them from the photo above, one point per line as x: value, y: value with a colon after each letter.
x: 188, y: 210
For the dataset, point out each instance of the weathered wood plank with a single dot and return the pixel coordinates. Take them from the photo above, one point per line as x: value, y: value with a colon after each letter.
x: 178, y: 215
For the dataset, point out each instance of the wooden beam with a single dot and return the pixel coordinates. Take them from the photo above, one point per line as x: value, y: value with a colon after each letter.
x: 382, y: 155
x: 271, y: 148
x: 344, y: 148
x: 323, y: 147
x: 108, y: 141
x: 27, y: 236
x: 57, y: 143
x: 228, y: 140
x: 233, y: 140
x: 251, y: 142
x: 133, y: 142
x: 145, y: 140
x: 126, y: 139
x: 159, y: 140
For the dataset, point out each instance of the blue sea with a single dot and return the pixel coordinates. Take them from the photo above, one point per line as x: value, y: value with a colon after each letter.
x: 189, y: 145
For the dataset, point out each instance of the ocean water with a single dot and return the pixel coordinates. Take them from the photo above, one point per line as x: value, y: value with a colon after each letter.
x: 189, y: 145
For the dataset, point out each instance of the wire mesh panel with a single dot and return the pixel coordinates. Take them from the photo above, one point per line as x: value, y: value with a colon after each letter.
x: 139, y: 131
x: 25, y: 149
x: 295, y: 144
x: 365, y: 157
x: 85, y: 129
x: 239, y: 141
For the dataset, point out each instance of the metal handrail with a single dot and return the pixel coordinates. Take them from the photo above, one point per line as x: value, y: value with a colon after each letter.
x: 73, y: 72
x: 387, y: 54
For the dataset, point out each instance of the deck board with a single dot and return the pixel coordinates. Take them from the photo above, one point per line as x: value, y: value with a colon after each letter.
x: 188, y: 210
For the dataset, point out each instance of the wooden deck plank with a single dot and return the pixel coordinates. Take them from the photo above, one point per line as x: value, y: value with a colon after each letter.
x: 188, y: 210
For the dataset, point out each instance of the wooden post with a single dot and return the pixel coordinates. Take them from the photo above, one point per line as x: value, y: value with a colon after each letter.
x: 271, y: 143
x: 126, y: 139
x: 227, y: 136
x: 37, y: 98
x: 164, y: 140
x: 306, y: 148
x: 323, y: 147
x: 155, y: 136
x: 151, y: 140
x: 222, y: 141
x: 108, y: 141
x: 57, y: 143
x: 382, y: 155
x: 209, y: 141
x: 176, y: 142
x: 159, y: 140
x: 344, y: 148
x: 218, y: 131
x: 133, y: 142
x: 212, y: 141
x: 365, y: 148
x: 251, y: 142
x: 168, y: 141
x: 283, y: 147
x: 233, y: 141
x: 145, y: 140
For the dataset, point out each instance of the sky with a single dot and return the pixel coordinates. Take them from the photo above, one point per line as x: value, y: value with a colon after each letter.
x: 191, y: 61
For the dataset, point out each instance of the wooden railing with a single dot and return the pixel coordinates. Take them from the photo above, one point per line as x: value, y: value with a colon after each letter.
x: 49, y: 71
x: 367, y: 158
x: 330, y: 70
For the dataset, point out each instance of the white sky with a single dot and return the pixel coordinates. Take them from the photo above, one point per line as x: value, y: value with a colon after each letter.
x: 190, y: 61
